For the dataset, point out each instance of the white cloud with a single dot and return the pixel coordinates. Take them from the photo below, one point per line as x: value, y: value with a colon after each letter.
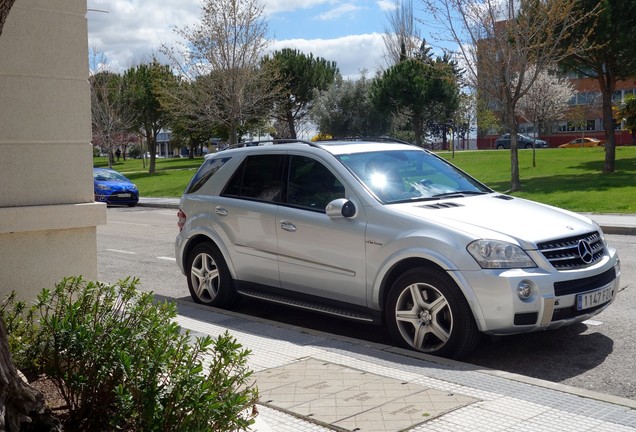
x: 387, y: 5
x: 339, y: 12
x: 275, y: 6
x: 134, y: 30
x: 352, y: 54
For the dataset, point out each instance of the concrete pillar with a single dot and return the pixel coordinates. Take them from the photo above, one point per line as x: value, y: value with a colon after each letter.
x: 48, y: 217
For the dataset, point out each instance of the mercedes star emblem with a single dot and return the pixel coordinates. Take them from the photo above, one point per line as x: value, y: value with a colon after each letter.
x: 585, y: 251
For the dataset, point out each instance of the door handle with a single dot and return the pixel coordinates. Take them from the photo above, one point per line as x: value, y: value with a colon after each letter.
x: 220, y: 211
x: 287, y: 226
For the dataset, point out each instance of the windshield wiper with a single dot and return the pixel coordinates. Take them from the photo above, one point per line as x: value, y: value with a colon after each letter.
x: 458, y: 194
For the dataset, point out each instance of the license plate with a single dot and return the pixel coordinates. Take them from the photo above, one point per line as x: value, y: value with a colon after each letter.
x: 124, y: 195
x: 594, y: 298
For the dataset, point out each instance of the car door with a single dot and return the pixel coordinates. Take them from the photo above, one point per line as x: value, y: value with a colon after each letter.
x: 504, y: 141
x: 246, y: 217
x: 319, y: 255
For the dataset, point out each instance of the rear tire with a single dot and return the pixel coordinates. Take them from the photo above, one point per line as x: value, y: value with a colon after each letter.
x: 426, y: 311
x: 209, y: 279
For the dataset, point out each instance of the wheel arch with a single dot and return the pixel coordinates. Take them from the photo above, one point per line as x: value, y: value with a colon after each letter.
x: 396, y: 270
x: 413, y: 262
x: 200, y: 238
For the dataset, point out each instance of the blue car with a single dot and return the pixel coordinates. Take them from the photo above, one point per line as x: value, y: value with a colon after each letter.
x: 112, y: 187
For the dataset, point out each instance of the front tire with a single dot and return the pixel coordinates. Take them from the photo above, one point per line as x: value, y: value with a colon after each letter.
x: 427, y: 312
x: 209, y: 279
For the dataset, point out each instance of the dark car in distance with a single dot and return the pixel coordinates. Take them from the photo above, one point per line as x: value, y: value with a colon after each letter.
x: 523, y: 141
x: 112, y: 187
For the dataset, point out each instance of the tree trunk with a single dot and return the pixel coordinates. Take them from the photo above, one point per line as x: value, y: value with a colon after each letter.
x: 291, y: 125
x: 152, y: 153
x: 607, y: 90
x: 22, y: 408
x: 515, y: 181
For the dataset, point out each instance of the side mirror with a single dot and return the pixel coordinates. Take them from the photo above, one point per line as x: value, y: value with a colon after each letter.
x: 341, y: 207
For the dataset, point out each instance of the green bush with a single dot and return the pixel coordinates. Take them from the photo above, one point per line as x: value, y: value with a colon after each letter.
x: 135, y: 152
x: 122, y: 363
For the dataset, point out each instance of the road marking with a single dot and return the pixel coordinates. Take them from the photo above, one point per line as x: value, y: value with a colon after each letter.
x: 593, y: 322
x: 122, y: 251
x: 167, y: 258
x: 129, y: 223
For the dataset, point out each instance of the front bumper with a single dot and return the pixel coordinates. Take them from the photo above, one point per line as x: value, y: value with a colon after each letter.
x: 125, y: 197
x: 499, y: 310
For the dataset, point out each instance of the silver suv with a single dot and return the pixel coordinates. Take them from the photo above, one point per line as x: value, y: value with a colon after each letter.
x: 387, y: 233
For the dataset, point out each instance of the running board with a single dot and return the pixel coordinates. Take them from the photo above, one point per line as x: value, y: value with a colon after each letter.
x: 304, y: 304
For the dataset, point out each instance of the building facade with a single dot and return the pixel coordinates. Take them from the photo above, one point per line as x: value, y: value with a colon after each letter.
x: 584, y: 117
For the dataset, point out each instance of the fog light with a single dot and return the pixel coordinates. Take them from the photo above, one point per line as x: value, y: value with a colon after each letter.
x: 524, y: 290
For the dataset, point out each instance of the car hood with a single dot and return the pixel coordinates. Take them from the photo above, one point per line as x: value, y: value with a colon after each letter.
x: 497, y: 216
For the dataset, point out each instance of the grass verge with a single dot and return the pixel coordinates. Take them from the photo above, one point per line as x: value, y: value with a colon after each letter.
x: 567, y: 178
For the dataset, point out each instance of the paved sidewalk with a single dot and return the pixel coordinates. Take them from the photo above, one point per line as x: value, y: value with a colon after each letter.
x: 313, y: 381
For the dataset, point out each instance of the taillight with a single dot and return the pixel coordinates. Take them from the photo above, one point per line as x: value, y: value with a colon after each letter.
x: 181, y: 219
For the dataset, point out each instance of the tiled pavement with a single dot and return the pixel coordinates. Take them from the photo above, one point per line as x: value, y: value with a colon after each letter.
x: 312, y: 381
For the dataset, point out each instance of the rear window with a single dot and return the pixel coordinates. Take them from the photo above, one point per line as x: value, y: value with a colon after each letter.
x: 258, y: 177
x: 205, y: 172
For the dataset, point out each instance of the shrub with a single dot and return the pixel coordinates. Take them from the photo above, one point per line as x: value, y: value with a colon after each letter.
x: 121, y: 362
x: 135, y: 152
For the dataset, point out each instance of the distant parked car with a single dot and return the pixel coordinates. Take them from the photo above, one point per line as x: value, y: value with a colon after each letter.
x: 112, y: 187
x: 583, y: 142
x: 523, y: 141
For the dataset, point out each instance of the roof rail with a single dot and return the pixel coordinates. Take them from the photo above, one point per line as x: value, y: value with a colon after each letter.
x: 365, y: 138
x: 271, y: 142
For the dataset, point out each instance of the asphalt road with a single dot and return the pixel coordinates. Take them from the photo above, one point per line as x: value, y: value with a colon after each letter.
x: 597, y: 355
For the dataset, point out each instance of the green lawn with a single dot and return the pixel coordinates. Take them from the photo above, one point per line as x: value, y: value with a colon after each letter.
x: 567, y: 178
x: 171, y: 177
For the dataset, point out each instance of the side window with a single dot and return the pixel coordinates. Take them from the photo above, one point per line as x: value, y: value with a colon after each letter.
x: 258, y: 177
x: 311, y: 184
x: 205, y: 172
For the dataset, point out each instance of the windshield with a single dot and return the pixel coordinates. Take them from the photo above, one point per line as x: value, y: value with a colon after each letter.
x: 408, y: 175
x: 102, y: 175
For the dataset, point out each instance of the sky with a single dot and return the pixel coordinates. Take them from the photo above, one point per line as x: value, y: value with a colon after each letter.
x: 349, y: 32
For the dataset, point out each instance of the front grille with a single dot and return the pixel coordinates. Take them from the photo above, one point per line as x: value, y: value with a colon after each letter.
x: 583, y: 285
x: 570, y: 253
x: 571, y: 312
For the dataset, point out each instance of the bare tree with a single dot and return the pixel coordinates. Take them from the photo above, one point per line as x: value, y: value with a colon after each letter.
x: 547, y: 99
x: 401, y: 36
x: 221, y: 54
x: 112, y: 117
x: 499, y: 41
x: 5, y: 8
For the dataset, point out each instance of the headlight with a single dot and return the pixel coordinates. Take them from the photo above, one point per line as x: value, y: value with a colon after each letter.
x: 493, y: 254
x: 102, y: 187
